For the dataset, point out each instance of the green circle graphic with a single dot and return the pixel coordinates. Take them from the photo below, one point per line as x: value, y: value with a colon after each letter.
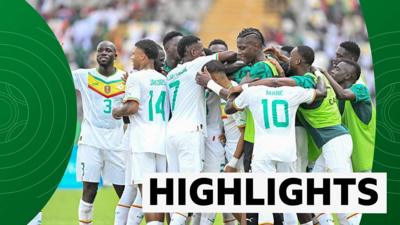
x: 37, y: 116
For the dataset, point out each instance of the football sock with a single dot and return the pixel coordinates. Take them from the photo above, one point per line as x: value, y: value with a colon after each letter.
x: 85, y: 213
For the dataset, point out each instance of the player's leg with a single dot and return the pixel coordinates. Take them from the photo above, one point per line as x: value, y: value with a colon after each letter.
x: 89, y: 166
x: 285, y: 167
x: 302, y: 149
x: 160, y: 166
x: 263, y: 166
x: 229, y: 219
x: 214, y: 160
x: 190, y: 152
x: 136, y: 215
x: 128, y: 196
x: 37, y: 220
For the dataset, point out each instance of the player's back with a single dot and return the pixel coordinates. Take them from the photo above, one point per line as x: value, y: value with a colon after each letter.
x: 274, y: 111
x: 99, y: 95
x: 148, y: 87
x: 187, y: 98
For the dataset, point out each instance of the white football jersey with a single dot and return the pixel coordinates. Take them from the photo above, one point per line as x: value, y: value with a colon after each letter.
x: 148, y: 125
x: 187, y: 98
x: 213, y: 114
x: 100, y: 94
x: 274, y: 112
x: 232, y: 122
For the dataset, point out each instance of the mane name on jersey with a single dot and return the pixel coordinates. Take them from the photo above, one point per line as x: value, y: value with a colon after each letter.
x: 107, y: 89
x: 276, y: 93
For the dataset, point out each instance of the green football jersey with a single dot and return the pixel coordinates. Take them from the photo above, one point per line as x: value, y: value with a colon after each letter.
x: 262, y: 70
x: 322, y: 118
x: 166, y: 68
x: 359, y: 117
x: 240, y: 74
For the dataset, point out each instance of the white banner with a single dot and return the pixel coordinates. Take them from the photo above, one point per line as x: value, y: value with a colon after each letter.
x: 275, y: 192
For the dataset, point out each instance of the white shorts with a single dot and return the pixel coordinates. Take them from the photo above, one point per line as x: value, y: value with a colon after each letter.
x: 336, y: 155
x: 302, y: 149
x: 185, y: 152
x: 146, y: 162
x: 128, y: 168
x: 272, y: 166
x: 214, y: 155
x: 93, y: 163
x: 230, y: 148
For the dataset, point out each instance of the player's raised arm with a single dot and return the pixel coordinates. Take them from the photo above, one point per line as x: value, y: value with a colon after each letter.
x: 320, y: 89
x: 229, y: 56
x: 340, y: 72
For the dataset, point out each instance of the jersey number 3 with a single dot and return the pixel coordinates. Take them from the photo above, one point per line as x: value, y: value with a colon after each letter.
x: 108, y: 104
x: 275, y: 113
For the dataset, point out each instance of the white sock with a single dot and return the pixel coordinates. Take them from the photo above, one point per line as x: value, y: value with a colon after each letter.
x: 155, y: 223
x: 309, y: 223
x: 124, y: 204
x: 136, y: 215
x: 85, y: 213
x: 178, y: 219
x: 325, y: 219
x: 349, y: 218
x: 37, y: 220
x: 195, y: 218
x: 290, y: 219
x: 207, y: 218
x: 265, y: 218
x: 229, y: 219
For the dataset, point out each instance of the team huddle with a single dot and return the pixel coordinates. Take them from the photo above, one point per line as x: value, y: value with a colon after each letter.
x: 185, y: 108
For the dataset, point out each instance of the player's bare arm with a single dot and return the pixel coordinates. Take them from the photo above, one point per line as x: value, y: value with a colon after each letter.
x: 341, y: 93
x: 320, y: 89
x: 220, y: 87
x: 127, y: 109
x: 270, y: 82
x: 232, y: 164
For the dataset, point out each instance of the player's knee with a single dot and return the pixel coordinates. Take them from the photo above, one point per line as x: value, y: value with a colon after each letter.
x: 89, y: 191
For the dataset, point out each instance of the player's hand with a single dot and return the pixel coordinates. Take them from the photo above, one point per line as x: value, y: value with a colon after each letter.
x: 235, y: 90
x: 203, y: 77
x: 272, y: 51
x: 247, y: 79
x: 125, y: 77
x: 229, y: 169
x: 277, y: 66
x: 222, y: 138
x: 115, y: 114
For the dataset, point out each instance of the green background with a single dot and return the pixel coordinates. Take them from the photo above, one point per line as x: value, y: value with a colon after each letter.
x: 382, y: 20
x: 37, y: 113
x: 38, y: 108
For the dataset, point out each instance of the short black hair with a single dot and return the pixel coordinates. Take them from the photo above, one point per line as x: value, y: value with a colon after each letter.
x: 214, y: 66
x: 351, y: 47
x: 287, y: 48
x: 248, y: 31
x: 218, y: 42
x: 306, y: 53
x: 357, y: 69
x: 149, y: 48
x: 171, y: 35
x: 207, y: 51
x: 185, y: 42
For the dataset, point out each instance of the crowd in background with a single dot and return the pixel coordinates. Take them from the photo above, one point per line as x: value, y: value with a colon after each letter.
x: 320, y: 24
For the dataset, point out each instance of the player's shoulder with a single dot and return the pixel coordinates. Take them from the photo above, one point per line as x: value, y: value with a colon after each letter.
x: 82, y: 71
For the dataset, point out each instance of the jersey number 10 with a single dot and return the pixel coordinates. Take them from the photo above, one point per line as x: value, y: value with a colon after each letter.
x: 275, y: 113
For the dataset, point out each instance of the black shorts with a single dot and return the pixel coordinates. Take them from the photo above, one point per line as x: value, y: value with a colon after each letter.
x: 248, y: 154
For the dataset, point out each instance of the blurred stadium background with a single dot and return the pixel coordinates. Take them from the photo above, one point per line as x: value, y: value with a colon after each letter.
x: 80, y: 25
